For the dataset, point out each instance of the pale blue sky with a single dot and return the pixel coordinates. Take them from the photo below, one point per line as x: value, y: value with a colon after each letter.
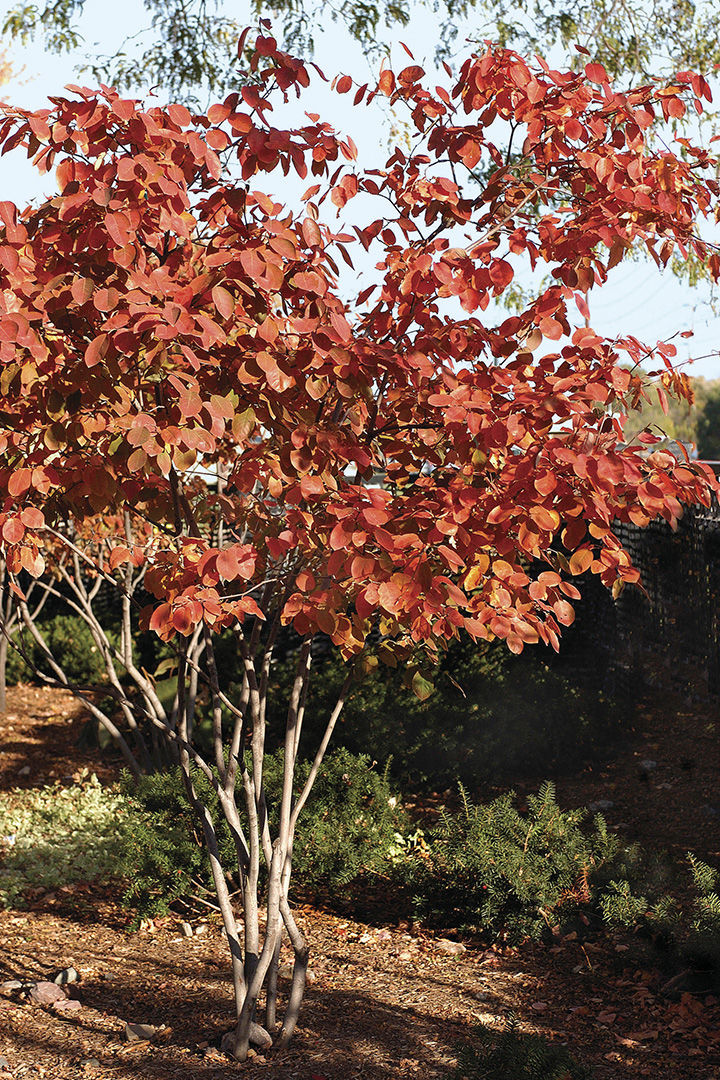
x: 637, y: 299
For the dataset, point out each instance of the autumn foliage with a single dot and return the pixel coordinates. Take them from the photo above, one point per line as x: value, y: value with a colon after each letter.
x: 180, y: 346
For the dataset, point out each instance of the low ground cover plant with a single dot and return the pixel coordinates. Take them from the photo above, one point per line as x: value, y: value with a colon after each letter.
x: 58, y: 835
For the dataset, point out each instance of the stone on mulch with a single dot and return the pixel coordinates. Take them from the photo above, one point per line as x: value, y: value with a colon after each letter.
x: 46, y: 993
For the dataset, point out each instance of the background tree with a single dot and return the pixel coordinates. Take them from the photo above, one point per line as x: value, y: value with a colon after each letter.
x: 180, y: 349
x: 708, y: 423
x: 190, y: 45
x: 690, y: 422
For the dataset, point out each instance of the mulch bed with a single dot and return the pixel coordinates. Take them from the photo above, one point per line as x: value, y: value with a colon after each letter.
x: 386, y: 1002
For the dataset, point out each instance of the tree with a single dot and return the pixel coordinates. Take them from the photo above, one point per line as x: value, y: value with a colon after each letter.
x: 190, y: 44
x: 708, y: 423
x: 180, y: 348
x: 691, y: 421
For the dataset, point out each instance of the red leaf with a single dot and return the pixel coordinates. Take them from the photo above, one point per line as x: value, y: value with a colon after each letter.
x: 32, y: 517
x: 223, y: 301
x: 82, y: 289
x: 117, y: 556
x: 13, y: 530
x: 182, y: 620
x: 106, y: 299
x: 179, y: 115
x: 386, y: 82
x: 311, y: 233
x: 582, y: 305
x: 19, y: 482
x: 227, y: 564
x: 96, y: 350
x: 596, y: 73
x: 581, y: 560
x: 312, y: 485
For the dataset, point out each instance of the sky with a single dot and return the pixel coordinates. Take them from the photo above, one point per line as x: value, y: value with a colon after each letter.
x: 637, y: 298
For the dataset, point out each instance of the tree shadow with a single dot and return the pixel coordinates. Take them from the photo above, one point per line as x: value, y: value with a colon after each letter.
x: 400, y: 1023
x: 45, y: 731
x: 343, y: 1034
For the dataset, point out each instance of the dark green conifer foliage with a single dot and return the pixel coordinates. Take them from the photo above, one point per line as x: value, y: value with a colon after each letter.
x: 493, y: 869
x: 515, y: 1055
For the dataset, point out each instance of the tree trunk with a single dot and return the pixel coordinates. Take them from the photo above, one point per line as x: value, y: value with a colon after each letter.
x: 3, y: 672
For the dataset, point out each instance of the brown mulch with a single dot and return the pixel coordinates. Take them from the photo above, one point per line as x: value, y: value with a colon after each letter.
x: 41, y: 739
x: 385, y: 1002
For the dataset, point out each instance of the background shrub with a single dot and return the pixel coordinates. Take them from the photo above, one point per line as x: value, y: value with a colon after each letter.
x: 69, y: 639
x: 491, y: 716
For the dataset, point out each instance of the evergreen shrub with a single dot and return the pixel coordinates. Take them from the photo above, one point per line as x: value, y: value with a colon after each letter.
x: 348, y: 827
x: 699, y: 945
x: 511, y: 1054
x: 493, y: 870
x: 686, y: 934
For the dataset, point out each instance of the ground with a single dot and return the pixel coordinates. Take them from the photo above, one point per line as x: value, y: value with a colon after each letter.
x: 386, y: 1002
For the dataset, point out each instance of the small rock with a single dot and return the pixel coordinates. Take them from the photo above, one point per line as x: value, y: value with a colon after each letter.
x: 479, y: 995
x: 187, y: 929
x: 4, y: 1063
x: 600, y: 805
x: 25, y: 771
x: 647, y: 765
x: 258, y: 1037
x: 201, y: 928
x: 67, y: 1005
x: 213, y: 1054
x: 12, y: 986
x: 46, y: 993
x: 450, y: 948
x: 139, y: 1033
x: 92, y: 1063
x: 66, y: 975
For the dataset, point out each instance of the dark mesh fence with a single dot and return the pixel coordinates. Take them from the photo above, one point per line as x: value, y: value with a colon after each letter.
x: 674, y: 622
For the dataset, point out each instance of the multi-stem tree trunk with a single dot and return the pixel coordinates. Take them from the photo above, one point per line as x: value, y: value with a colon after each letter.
x: 3, y: 672
x: 237, y: 778
x: 10, y: 621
